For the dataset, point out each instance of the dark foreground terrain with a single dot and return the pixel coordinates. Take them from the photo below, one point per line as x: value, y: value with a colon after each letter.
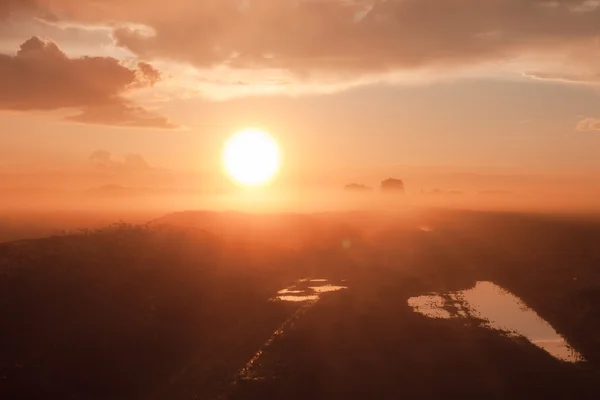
x: 186, y: 307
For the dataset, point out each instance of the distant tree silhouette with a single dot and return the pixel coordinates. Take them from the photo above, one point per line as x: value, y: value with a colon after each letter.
x: 101, y: 159
x: 392, y: 185
x: 357, y: 187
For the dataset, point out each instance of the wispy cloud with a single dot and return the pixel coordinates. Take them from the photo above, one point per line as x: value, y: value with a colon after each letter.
x: 589, y: 124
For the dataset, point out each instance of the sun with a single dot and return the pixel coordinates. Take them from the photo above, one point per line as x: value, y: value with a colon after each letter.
x: 251, y: 157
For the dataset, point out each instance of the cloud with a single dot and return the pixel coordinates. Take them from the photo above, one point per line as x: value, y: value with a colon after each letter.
x: 104, y: 160
x: 349, y: 39
x: 577, y: 63
x: 42, y: 77
x: 123, y: 115
x: 589, y: 124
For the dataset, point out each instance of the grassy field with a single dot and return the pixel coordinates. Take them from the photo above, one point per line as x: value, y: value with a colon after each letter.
x: 176, y: 307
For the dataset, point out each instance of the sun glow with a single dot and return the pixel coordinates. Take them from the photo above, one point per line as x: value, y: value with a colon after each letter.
x: 251, y: 157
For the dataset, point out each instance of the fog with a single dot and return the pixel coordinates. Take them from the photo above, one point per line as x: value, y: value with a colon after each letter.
x: 38, y: 214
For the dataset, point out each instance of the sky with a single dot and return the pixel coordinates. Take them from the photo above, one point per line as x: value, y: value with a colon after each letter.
x: 458, y: 94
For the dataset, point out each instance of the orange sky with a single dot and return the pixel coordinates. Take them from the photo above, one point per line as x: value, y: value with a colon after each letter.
x: 457, y: 94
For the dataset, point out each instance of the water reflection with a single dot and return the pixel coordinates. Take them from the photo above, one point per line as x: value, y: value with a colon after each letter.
x: 290, y: 291
x: 308, y: 297
x: 499, y: 309
x: 327, y: 288
x: 431, y: 306
x: 307, y: 290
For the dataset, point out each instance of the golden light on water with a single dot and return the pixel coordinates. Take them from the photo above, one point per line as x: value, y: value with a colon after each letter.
x: 251, y: 157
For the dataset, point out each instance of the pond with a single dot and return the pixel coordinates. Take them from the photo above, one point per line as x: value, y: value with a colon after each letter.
x: 499, y: 309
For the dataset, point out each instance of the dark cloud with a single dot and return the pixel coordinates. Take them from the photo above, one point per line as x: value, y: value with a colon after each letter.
x: 147, y: 74
x: 41, y: 77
